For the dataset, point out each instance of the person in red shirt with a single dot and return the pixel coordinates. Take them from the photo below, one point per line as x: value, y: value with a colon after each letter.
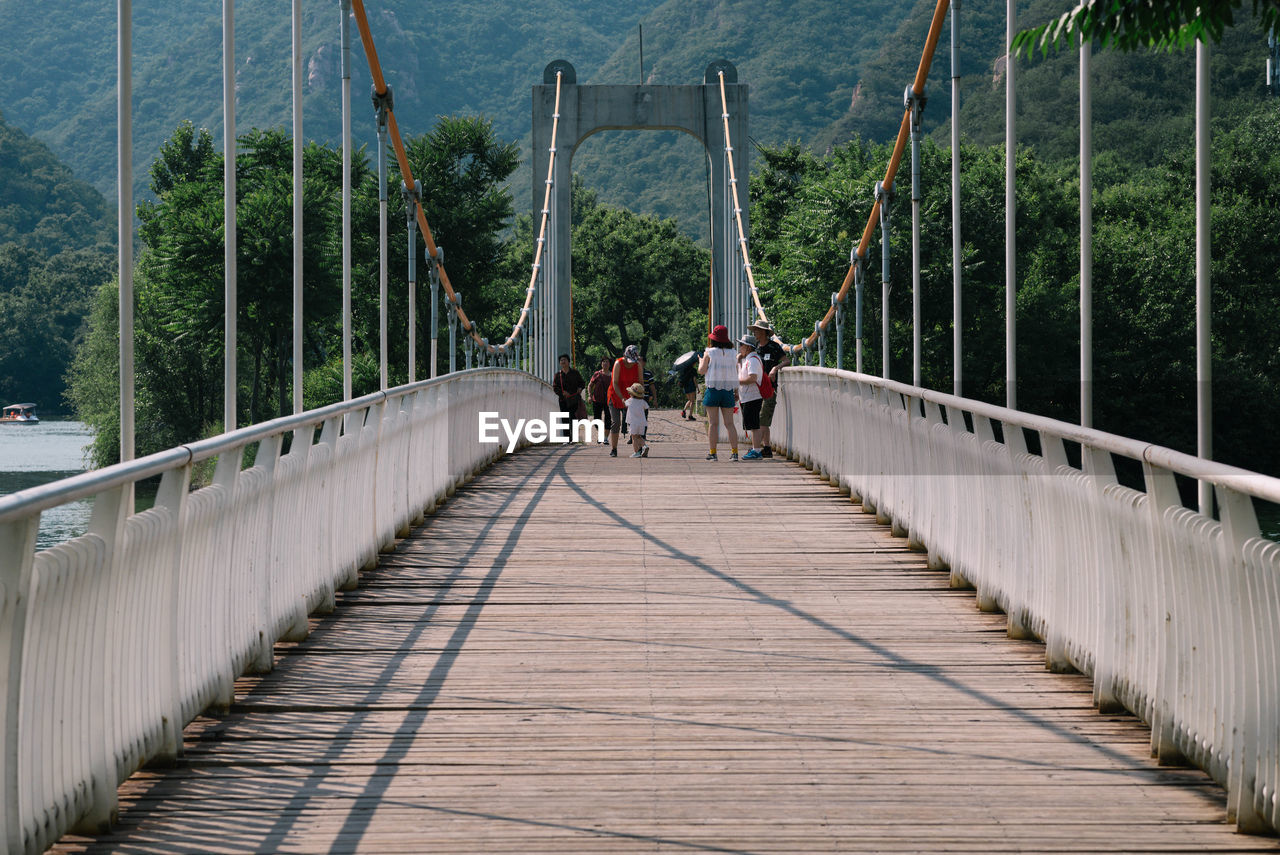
x: 628, y: 369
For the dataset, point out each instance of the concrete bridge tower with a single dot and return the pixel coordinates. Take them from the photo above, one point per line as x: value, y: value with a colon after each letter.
x: 696, y: 110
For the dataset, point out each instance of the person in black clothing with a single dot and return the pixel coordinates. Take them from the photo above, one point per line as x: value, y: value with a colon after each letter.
x: 568, y: 387
x: 689, y: 386
x: 650, y: 385
x: 773, y: 357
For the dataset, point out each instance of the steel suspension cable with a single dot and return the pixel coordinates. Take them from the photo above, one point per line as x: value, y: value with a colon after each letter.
x: 406, y: 173
x: 737, y: 207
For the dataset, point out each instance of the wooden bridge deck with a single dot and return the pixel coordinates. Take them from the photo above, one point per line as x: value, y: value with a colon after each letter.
x: 584, y: 654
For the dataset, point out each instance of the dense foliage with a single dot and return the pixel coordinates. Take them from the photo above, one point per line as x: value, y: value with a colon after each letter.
x: 463, y: 57
x: 179, y: 281
x: 1131, y: 26
x: 56, y: 247
x: 808, y: 212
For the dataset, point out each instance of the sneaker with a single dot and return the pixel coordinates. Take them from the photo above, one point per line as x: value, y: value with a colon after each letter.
x: 733, y: 456
x: 637, y: 454
x: 613, y: 452
x: 767, y: 451
x: 752, y: 455
x: 711, y: 455
x: 644, y: 452
x: 682, y: 415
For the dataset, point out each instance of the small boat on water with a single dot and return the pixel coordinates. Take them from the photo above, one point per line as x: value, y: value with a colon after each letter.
x: 19, y: 414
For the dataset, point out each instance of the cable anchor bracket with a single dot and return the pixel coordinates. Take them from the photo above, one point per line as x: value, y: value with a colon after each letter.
x: 383, y: 104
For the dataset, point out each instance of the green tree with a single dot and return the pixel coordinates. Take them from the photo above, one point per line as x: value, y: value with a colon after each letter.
x: 1136, y: 24
x: 463, y: 167
x: 813, y: 209
x: 179, y: 283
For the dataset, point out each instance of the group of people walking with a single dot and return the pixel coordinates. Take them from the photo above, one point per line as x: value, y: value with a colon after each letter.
x: 618, y: 393
x: 746, y: 379
x: 738, y: 375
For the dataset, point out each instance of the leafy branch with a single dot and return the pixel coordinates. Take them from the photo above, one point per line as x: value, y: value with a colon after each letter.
x: 1130, y: 25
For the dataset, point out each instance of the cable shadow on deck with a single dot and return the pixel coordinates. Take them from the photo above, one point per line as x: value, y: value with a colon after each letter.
x: 894, y: 660
x: 292, y: 796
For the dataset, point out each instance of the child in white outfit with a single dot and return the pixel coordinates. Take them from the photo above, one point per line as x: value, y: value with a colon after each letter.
x: 637, y: 419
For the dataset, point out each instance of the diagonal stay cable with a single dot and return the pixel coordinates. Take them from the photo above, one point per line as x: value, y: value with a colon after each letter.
x: 891, y: 172
x: 406, y: 172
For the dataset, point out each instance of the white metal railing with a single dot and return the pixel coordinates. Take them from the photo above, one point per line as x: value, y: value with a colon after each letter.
x: 111, y: 642
x: 1175, y: 615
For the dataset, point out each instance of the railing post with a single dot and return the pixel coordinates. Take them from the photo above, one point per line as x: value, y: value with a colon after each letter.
x: 172, y: 496
x: 1101, y: 470
x: 1056, y: 656
x: 1016, y: 608
x: 226, y: 475
x: 264, y: 658
x: 1162, y: 496
x: 1239, y: 526
x: 933, y: 423
x: 17, y: 555
x: 107, y: 521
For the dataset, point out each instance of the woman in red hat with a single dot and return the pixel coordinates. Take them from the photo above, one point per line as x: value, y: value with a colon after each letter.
x: 720, y: 366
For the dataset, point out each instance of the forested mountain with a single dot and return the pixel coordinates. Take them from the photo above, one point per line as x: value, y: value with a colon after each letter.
x: 820, y: 73
x: 56, y: 247
x: 802, y: 60
x: 451, y: 57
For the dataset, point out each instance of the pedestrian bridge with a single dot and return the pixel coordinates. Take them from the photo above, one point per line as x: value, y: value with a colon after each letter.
x: 938, y: 624
x: 374, y: 647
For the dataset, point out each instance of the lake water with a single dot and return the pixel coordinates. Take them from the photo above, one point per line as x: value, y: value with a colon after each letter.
x: 31, y: 455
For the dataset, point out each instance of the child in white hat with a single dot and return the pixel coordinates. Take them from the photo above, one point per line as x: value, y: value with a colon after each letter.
x: 637, y: 419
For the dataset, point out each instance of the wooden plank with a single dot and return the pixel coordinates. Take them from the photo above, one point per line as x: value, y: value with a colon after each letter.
x: 590, y: 654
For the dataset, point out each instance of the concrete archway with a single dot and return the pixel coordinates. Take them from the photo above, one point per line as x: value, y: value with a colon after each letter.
x: 585, y: 110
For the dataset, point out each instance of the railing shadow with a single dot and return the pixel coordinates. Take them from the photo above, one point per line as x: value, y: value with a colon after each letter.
x: 291, y: 795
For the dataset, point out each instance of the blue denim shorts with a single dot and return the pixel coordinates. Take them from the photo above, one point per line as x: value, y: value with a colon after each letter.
x: 718, y: 398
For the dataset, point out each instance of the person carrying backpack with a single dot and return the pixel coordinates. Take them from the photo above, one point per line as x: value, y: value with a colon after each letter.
x: 772, y: 357
x: 750, y: 394
x: 598, y: 386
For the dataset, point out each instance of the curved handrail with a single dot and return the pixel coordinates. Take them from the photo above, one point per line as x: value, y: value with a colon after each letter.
x: 1170, y: 611
x: 111, y: 641
x: 1255, y: 484
x: 86, y: 484
x: 402, y: 158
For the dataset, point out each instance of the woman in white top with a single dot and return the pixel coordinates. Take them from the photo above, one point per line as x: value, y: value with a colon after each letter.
x: 720, y: 368
x: 750, y: 373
